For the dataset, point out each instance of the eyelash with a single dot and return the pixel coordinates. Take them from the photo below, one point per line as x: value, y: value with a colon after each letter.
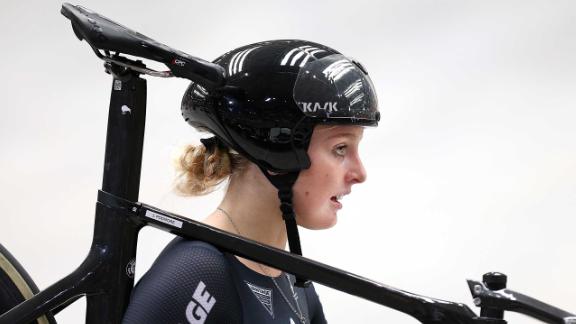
x: 338, y: 148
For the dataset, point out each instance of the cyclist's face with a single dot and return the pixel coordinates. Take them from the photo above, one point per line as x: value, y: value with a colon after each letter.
x: 335, y: 167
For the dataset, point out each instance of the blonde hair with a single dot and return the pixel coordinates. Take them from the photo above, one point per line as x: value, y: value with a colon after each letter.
x: 200, y: 171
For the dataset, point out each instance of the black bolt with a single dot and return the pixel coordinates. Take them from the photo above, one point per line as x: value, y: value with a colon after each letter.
x: 495, y: 280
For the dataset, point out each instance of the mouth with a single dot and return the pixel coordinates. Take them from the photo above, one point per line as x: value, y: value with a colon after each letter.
x: 336, y: 200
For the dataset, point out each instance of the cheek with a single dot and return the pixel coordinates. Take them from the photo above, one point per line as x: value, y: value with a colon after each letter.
x: 312, y: 184
x: 303, y: 191
x: 312, y: 191
x: 302, y: 202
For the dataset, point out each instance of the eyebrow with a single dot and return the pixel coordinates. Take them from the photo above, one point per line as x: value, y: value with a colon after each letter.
x: 344, y: 134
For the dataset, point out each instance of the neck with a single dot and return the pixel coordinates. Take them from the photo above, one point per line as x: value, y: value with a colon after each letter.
x: 254, y: 209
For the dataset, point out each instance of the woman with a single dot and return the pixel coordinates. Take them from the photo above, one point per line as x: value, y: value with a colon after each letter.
x: 287, y: 128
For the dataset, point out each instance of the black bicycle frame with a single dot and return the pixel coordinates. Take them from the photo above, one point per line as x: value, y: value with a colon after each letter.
x: 106, y: 276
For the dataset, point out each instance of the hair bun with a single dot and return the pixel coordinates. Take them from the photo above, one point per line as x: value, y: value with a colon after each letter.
x: 201, y: 168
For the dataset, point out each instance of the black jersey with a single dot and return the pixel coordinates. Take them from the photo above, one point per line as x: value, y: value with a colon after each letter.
x: 193, y: 282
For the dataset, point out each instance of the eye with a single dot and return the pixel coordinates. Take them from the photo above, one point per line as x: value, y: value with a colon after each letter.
x: 340, y: 150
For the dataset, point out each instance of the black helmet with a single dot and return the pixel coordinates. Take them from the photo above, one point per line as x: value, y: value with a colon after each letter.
x: 275, y: 93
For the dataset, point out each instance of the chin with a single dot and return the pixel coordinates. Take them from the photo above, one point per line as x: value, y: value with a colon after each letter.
x: 318, y: 223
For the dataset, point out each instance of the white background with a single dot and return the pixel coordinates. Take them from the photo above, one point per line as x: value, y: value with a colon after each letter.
x: 473, y: 167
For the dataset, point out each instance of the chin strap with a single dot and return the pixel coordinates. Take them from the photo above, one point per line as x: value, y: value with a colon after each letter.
x: 284, y: 182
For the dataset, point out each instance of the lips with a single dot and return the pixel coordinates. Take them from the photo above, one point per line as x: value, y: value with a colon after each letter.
x: 336, y: 200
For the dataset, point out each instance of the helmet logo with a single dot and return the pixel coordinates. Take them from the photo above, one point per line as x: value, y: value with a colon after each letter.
x: 328, y: 107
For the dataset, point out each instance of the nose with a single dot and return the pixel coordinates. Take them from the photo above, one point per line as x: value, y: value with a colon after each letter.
x: 356, y: 172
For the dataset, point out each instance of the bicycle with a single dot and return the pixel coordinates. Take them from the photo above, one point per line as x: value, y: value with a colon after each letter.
x: 106, y: 276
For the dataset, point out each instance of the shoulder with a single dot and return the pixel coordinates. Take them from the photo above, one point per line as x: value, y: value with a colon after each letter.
x: 181, y: 250
x: 184, y: 259
x: 314, y: 306
x: 189, y: 282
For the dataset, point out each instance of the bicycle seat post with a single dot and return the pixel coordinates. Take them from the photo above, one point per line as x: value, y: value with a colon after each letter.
x: 125, y: 135
x: 115, y: 234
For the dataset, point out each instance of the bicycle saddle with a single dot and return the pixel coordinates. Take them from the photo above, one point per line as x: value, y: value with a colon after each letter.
x: 104, y: 34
